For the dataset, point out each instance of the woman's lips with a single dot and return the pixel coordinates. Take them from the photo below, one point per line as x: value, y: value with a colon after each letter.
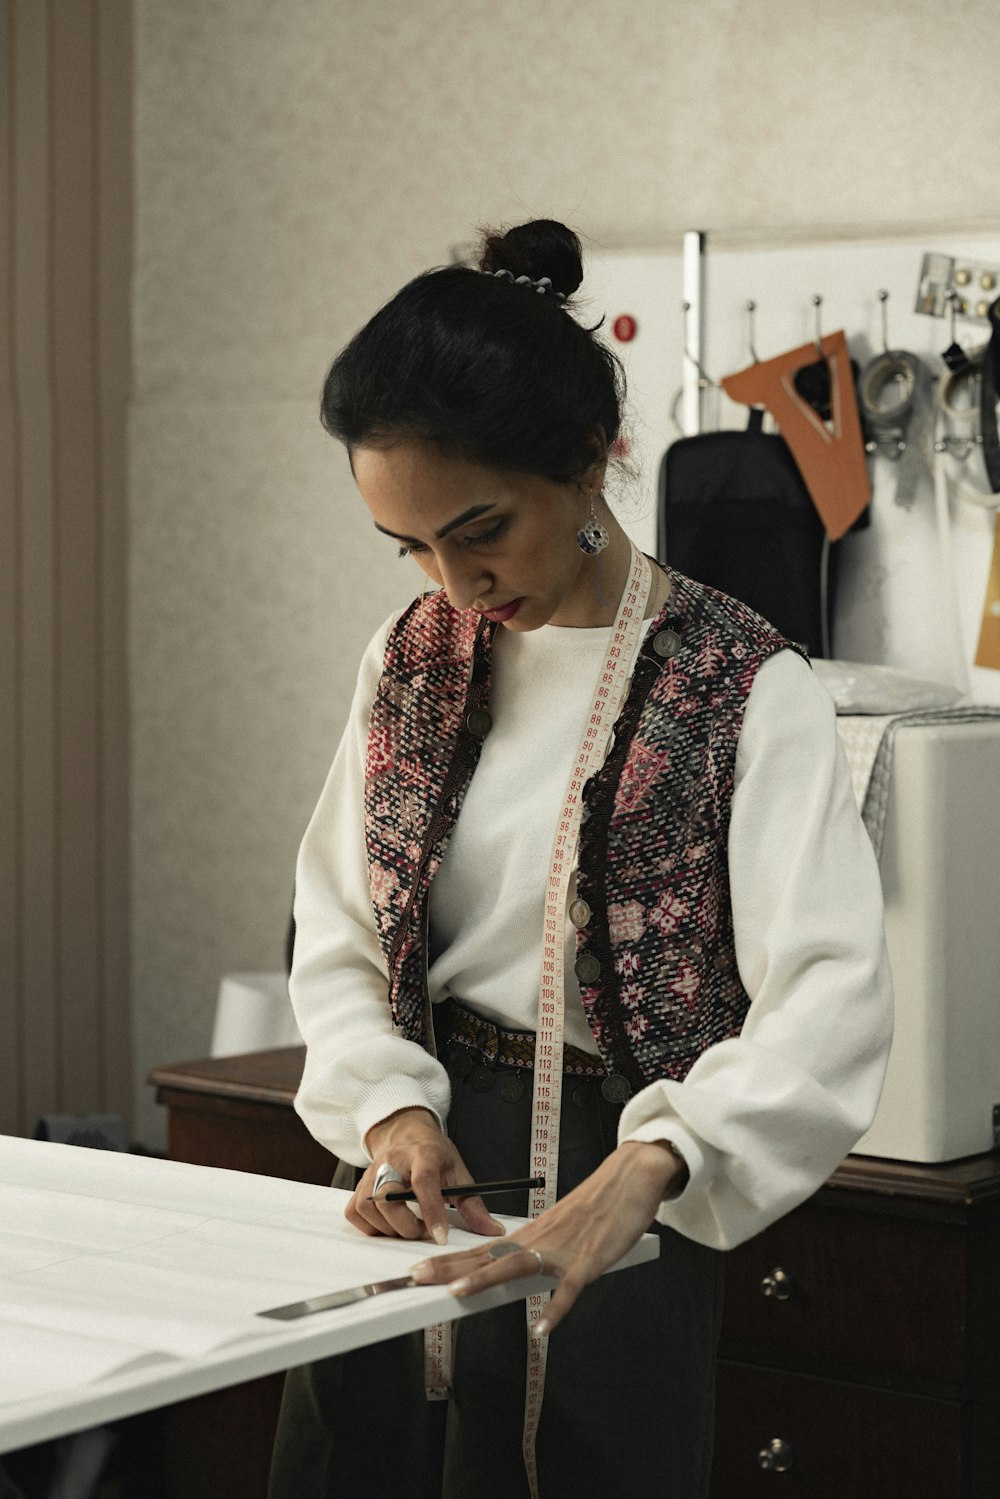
x: 505, y: 612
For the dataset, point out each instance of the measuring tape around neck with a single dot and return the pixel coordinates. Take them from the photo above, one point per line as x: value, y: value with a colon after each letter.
x: 608, y: 699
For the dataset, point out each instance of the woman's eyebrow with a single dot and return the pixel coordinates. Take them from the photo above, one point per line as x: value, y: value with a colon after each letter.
x: 460, y: 520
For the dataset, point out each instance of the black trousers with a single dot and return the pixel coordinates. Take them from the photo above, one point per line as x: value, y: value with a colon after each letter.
x: 629, y: 1390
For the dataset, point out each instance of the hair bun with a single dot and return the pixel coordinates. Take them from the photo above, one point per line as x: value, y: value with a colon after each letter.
x: 543, y: 247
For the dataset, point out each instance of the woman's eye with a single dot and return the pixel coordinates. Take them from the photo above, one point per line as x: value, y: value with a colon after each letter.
x: 485, y: 538
x: 481, y: 539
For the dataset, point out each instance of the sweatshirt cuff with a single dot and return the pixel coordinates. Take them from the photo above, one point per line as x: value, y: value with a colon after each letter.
x: 390, y: 1094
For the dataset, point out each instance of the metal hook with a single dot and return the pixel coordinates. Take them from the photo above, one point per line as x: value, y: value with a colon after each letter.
x: 951, y: 297
x: 817, y: 302
x: 883, y: 297
x: 706, y: 379
x: 751, y: 309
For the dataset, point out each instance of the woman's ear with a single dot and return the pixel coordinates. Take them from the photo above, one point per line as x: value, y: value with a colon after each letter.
x: 592, y: 479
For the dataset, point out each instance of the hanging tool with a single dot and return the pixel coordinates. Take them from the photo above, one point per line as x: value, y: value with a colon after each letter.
x: 898, y: 429
x: 831, y: 456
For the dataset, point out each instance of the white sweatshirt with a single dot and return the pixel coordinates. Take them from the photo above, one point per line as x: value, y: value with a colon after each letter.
x: 762, y: 1119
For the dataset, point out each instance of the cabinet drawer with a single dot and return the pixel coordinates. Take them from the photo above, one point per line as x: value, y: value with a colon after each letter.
x: 840, y: 1441
x: 857, y: 1292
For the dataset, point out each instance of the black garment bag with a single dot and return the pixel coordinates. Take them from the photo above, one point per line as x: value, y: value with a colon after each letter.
x: 735, y: 513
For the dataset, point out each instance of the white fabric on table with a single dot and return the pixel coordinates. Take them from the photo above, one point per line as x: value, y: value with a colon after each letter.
x: 98, y: 1277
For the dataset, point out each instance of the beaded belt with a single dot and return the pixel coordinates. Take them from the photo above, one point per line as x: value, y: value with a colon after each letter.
x: 508, y: 1048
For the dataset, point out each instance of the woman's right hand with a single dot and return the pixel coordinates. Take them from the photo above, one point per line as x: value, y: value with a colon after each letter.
x: 426, y: 1159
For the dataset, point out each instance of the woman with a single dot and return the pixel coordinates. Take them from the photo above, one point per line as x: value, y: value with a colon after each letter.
x: 691, y: 899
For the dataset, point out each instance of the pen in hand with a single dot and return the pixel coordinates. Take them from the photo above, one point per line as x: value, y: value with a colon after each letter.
x: 468, y: 1189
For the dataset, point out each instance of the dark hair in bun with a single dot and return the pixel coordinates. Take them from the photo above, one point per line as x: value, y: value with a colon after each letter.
x: 542, y: 248
x: 498, y: 373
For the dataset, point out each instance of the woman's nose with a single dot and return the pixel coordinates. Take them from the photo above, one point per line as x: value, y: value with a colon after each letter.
x: 464, y: 582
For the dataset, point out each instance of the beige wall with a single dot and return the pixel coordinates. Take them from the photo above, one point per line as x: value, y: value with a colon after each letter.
x: 295, y: 162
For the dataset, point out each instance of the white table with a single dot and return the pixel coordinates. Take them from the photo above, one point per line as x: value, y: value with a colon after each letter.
x: 127, y: 1283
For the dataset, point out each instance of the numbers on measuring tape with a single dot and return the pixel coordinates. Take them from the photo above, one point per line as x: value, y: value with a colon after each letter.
x: 609, y: 695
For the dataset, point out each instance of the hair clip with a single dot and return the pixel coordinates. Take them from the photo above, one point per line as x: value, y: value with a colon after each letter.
x: 542, y: 286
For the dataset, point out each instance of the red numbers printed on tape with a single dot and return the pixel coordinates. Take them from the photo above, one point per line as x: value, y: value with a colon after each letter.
x: 547, y: 1081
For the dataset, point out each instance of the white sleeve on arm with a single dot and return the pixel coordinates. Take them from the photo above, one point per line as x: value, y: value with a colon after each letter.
x: 359, y: 1068
x: 764, y: 1118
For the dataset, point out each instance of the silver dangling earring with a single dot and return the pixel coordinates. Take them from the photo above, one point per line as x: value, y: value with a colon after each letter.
x: 593, y: 538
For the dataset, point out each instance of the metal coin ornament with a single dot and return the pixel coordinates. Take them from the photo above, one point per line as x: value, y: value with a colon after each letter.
x: 616, y: 1088
x: 512, y: 1088
x: 593, y: 537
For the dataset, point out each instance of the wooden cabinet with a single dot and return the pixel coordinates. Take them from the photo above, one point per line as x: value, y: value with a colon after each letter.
x: 234, y: 1112
x: 860, y: 1356
x: 830, y: 1440
x: 237, y: 1112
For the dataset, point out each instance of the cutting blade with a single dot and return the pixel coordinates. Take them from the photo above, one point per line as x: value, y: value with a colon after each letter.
x: 334, y: 1299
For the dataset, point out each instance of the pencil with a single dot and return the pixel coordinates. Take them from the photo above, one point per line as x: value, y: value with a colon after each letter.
x: 468, y: 1189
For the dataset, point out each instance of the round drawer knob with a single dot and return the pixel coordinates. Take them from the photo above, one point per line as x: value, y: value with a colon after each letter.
x: 779, y: 1285
x: 777, y: 1456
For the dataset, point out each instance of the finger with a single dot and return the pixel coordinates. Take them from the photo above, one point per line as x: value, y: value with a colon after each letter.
x: 426, y: 1182
x: 472, y: 1271
x: 354, y: 1216
x: 356, y: 1221
x: 559, y: 1304
x: 494, y: 1272
x: 477, y: 1217
x: 472, y: 1210
x: 394, y: 1219
x: 440, y: 1269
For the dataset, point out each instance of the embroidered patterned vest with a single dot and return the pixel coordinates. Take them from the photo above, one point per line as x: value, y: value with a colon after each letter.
x: 655, y: 958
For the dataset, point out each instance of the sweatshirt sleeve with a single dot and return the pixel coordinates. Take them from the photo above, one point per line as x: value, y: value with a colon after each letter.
x: 764, y: 1118
x: 359, y: 1068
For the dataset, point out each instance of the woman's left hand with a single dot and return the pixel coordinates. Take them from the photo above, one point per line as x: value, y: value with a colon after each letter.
x: 579, y: 1237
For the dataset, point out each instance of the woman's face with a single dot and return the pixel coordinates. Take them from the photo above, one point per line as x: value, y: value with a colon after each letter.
x: 497, y: 542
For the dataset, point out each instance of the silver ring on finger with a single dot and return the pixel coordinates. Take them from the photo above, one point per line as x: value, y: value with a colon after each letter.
x: 383, y: 1176
x: 511, y: 1246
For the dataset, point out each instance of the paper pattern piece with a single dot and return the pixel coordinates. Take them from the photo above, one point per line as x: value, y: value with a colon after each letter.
x: 115, y: 1260
x: 116, y: 1266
